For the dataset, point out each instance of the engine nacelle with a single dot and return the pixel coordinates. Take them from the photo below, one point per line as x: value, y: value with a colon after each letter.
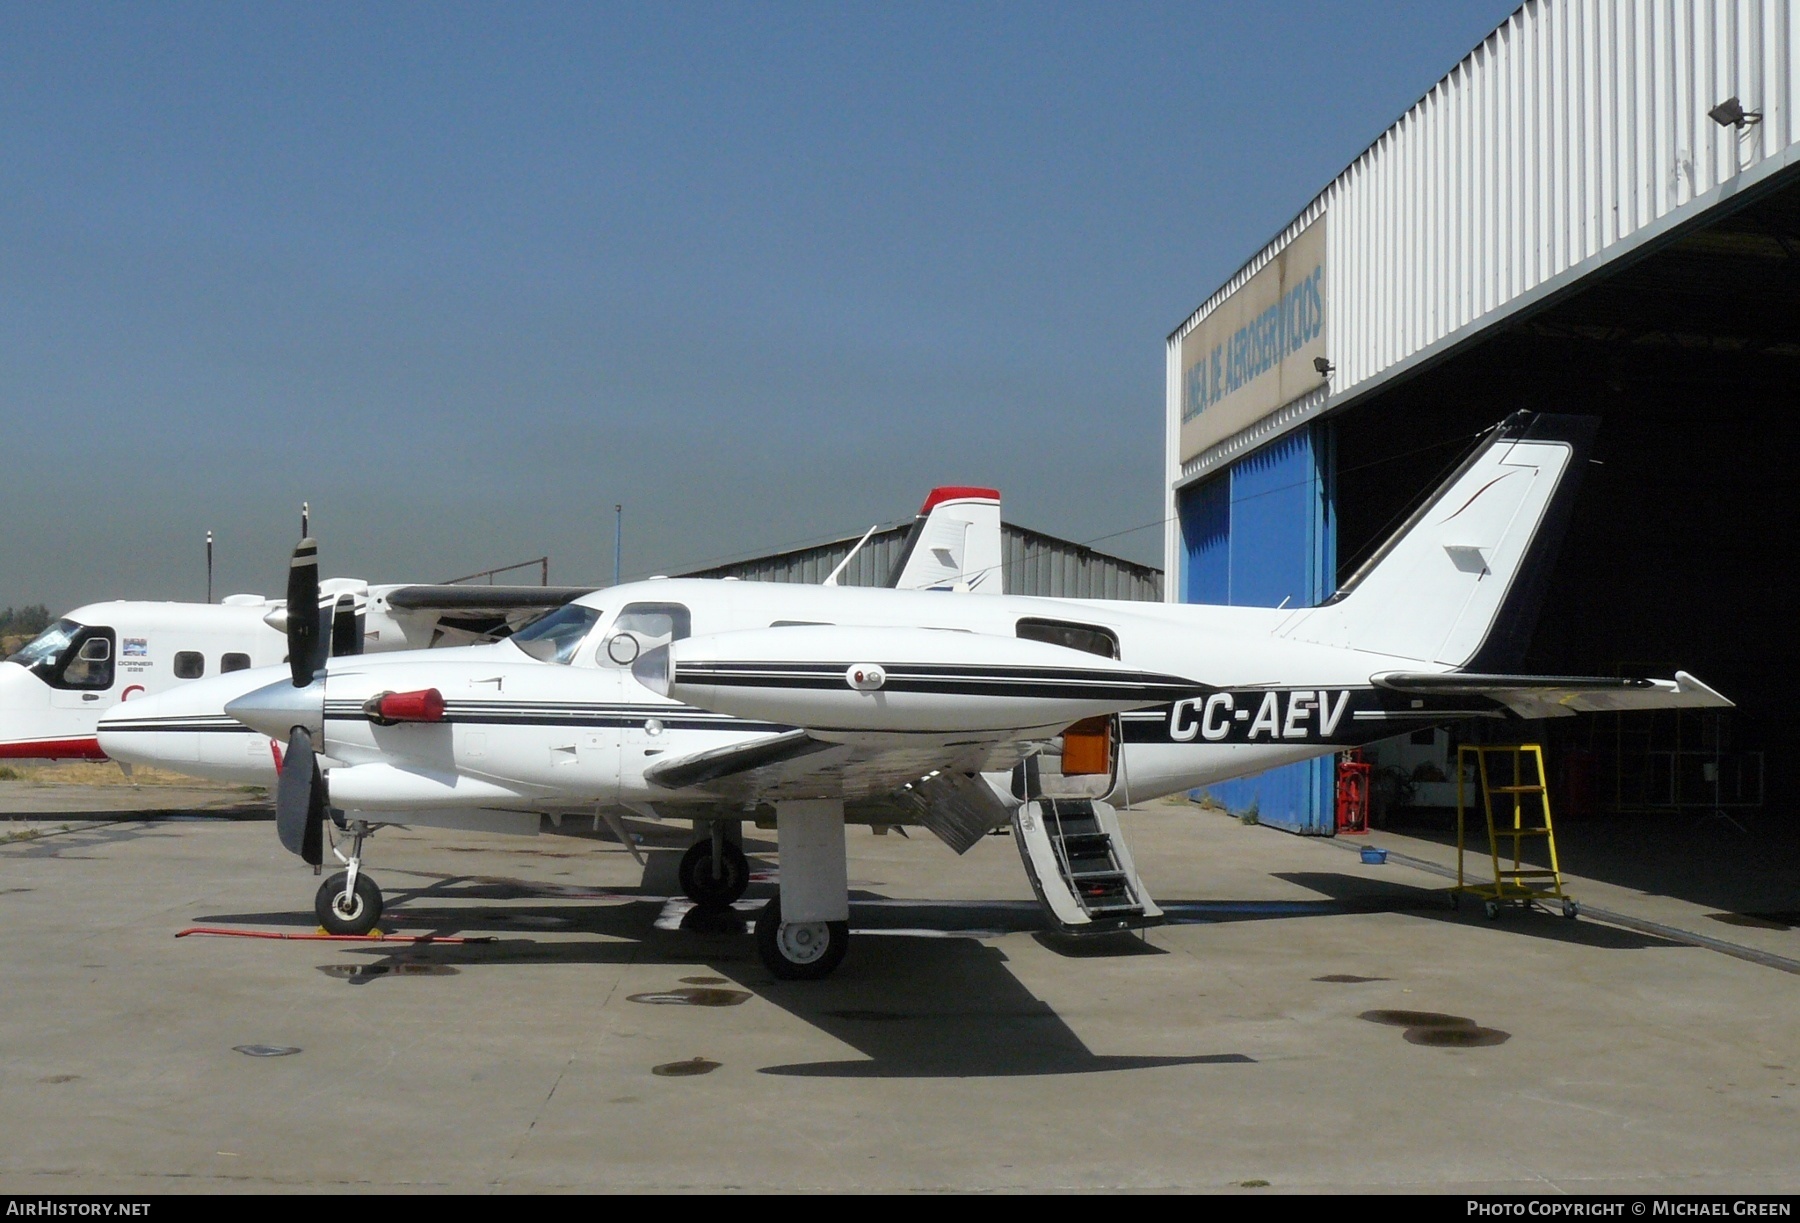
x: 834, y: 678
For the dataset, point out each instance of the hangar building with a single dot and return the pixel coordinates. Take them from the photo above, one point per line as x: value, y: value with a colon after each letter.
x: 1596, y: 211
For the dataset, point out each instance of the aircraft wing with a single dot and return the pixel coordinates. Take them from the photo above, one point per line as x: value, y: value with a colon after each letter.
x: 479, y: 600
x: 797, y: 764
x: 1556, y: 696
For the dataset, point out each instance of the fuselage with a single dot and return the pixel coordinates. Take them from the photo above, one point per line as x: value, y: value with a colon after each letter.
x: 556, y: 719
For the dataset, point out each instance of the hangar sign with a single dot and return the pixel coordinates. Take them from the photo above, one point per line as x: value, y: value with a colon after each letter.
x: 1255, y: 352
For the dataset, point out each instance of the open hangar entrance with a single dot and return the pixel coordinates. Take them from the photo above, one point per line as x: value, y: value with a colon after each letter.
x: 1595, y: 212
x: 1682, y: 550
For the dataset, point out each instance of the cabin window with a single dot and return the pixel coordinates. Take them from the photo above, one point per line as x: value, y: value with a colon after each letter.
x: 234, y: 662
x: 189, y: 664
x: 92, y: 665
x: 1088, y: 638
x: 642, y: 627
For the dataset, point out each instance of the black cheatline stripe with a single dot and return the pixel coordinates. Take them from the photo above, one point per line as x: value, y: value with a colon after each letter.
x: 722, y: 725
x: 1146, y: 693
x: 143, y: 728
x: 181, y: 721
x: 927, y: 671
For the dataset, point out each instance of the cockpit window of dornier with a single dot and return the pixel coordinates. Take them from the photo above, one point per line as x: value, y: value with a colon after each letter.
x: 554, y: 638
x: 642, y: 627
x: 47, y: 646
x: 70, y: 655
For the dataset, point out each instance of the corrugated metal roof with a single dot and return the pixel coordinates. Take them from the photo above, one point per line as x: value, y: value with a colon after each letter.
x: 1574, y: 135
x: 1035, y: 564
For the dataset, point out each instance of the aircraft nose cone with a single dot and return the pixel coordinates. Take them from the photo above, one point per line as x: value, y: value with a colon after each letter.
x: 277, y: 708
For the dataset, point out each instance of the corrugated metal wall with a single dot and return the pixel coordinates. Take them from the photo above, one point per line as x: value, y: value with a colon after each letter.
x: 1576, y: 132
x: 1036, y: 564
x: 1574, y: 126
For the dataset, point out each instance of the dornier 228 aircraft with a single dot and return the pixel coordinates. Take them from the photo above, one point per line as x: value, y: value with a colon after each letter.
x: 718, y: 701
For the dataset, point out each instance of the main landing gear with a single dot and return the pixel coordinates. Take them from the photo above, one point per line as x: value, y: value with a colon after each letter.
x: 802, y: 933
x: 799, y: 951
x: 349, y: 902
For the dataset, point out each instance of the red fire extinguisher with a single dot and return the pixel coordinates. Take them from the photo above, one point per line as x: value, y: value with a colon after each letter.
x: 1353, y: 792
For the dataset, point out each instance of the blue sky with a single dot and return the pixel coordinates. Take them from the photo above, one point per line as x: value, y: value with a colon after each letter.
x: 466, y: 276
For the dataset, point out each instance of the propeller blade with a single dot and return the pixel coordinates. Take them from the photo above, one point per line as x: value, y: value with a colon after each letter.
x: 303, y: 614
x: 312, y: 843
x: 294, y: 791
x: 346, y: 633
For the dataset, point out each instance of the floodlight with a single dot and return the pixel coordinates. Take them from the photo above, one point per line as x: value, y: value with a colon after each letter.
x: 1731, y: 113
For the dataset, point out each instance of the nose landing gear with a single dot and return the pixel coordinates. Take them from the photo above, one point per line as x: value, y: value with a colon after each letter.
x: 349, y: 902
x: 714, y: 872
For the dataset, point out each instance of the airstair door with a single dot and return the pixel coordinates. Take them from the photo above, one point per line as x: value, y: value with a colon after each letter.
x: 1080, y: 867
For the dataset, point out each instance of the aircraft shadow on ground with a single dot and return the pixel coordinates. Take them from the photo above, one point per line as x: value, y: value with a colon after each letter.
x: 930, y: 1004
x: 72, y: 844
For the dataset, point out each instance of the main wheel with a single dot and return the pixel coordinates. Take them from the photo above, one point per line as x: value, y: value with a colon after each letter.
x: 799, y: 951
x: 699, y: 883
x: 355, y: 914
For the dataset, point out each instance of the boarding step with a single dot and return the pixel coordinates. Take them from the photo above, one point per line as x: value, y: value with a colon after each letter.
x: 1080, y: 867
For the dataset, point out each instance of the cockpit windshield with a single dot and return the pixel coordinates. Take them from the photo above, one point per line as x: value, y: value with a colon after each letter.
x: 47, y: 646
x: 554, y: 638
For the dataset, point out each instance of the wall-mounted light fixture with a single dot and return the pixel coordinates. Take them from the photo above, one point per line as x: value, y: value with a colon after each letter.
x: 1731, y: 113
x: 1325, y: 368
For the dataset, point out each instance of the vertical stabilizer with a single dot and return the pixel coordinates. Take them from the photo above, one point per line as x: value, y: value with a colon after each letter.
x: 954, y: 544
x: 1461, y: 582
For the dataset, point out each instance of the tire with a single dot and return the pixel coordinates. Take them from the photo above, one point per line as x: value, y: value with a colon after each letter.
x: 1491, y: 910
x: 696, y: 876
x: 359, y: 917
x: 799, y: 952
x: 1571, y: 909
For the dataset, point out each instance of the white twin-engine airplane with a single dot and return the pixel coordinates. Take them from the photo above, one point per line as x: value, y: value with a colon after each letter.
x: 54, y: 689
x: 723, y: 701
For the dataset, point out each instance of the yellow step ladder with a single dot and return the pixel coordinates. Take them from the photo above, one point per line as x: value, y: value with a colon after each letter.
x: 1515, y: 777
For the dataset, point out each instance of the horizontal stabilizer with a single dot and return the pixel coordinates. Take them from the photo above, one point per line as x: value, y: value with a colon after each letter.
x: 1555, y: 696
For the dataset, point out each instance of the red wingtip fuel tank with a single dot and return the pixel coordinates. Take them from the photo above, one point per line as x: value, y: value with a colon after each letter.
x: 825, y: 677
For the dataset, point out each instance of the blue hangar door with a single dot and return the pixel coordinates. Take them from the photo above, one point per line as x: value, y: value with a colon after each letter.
x: 1257, y: 534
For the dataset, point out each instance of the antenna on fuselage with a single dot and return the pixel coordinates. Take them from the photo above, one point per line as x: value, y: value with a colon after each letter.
x: 209, y: 570
x: 618, y: 539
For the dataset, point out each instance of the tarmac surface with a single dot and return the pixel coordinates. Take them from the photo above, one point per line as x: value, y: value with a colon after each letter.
x: 1304, y: 1022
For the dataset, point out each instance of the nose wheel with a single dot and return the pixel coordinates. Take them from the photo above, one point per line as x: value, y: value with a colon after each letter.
x: 349, y: 902
x: 346, y: 907
x: 714, y: 873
